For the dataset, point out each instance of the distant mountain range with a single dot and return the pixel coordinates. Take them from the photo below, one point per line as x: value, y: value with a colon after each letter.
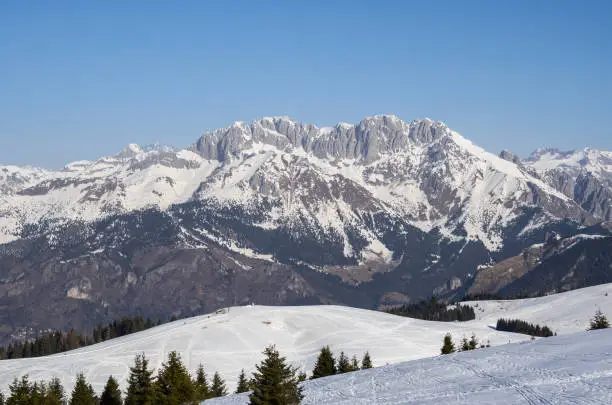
x: 281, y: 212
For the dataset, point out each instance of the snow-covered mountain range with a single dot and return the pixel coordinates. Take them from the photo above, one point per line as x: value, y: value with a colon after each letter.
x: 282, y: 212
x: 421, y: 171
x: 583, y: 175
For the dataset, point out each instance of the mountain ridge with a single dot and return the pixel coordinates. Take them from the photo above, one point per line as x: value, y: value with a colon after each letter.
x: 376, y: 213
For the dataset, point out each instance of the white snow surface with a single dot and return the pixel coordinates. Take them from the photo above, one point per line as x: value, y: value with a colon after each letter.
x: 572, y: 369
x: 564, y: 313
x: 229, y: 341
x: 595, y: 161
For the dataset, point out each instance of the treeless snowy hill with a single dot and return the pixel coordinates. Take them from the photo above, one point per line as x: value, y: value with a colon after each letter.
x: 572, y: 369
x: 232, y: 340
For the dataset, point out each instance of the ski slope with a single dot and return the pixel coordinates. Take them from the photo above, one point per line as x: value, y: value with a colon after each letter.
x: 228, y: 342
x: 232, y: 340
x: 572, y: 369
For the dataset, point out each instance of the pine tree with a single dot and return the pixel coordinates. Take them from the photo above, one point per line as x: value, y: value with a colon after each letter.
x: 243, y: 383
x: 82, y: 394
x: 218, y: 388
x: 465, y: 345
x: 174, y: 385
x: 201, y: 384
x: 344, y: 366
x: 140, y: 383
x: 39, y: 391
x: 366, y: 362
x: 55, y: 393
x: 111, y: 394
x: 275, y: 382
x: 599, y: 321
x: 21, y: 392
x: 1, y: 398
x: 448, y: 346
x: 325, y: 365
x: 473, y: 343
x: 302, y: 376
x: 354, y: 364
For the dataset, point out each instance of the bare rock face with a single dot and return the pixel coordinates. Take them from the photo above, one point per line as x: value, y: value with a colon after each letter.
x: 510, y: 157
x: 366, y: 141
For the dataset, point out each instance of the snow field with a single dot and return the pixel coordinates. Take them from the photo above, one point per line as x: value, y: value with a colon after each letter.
x: 228, y: 342
x: 231, y: 341
x: 572, y: 369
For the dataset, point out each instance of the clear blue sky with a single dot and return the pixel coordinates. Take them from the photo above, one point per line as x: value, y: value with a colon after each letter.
x: 82, y: 79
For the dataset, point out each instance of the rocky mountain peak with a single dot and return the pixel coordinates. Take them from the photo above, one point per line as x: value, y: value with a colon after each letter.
x: 364, y: 142
x: 540, y: 152
x: 509, y: 156
x: 130, y: 151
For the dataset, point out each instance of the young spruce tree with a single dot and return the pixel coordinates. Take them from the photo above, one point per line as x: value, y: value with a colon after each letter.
x: 111, y: 394
x: 174, y: 385
x: 55, y: 394
x: 448, y: 346
x: 599, y: 321
x: 21, y: 392
x: 366, y: 362
x: 344, y: 365
x: 201, y: 384
x: 83, y: 393
x: 243, y: 383
x: 325, y: 365
x: 275, y: 382
x: 473, y: 343
x: 465, y: 345
x: 355, y: 364
x: 140, y: 383
x: 39, y: 392
x: 218, y: 388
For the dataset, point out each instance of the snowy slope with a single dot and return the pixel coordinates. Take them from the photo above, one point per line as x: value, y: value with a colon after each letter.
x: 572, y: 369
x: 566, y: 312
x: 230, y: 341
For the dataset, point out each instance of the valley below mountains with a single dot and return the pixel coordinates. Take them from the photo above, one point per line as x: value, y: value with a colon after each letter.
x: 279, y: 212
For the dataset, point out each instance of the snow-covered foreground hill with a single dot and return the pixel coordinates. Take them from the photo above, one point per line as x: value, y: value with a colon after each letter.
x: 571, y: 369
x: 229, y: 341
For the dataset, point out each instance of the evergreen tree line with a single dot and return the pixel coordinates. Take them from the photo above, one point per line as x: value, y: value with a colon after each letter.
x: 496, y: 297
x: 58, y: 342
x: 273, y: 383
x: 434, y: 310
x: 526, y: 328
x: 327, y: 364
x: 448, y: 346
x: 172, y: 385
